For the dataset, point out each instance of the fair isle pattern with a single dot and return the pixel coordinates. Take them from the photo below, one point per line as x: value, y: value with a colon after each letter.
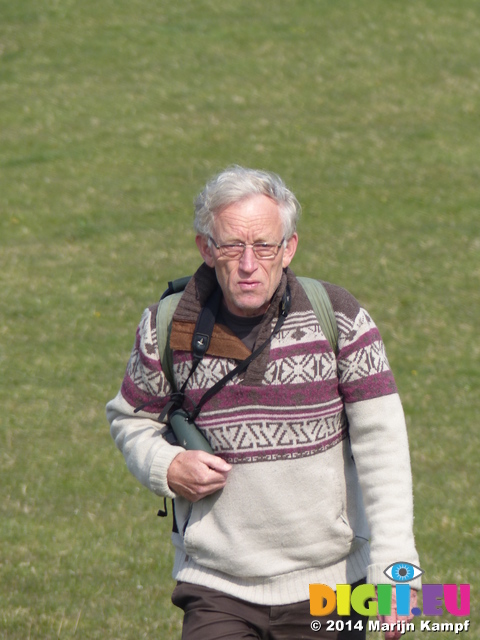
x: 273, y: 434
x: 301, y: 369
x: 209, y: 371
x: 363, y: 368
x: 364, y: 362
x: 297, y: 410
x: 300, y: 327
x: 296, y: 365
x: 294, y: 408
x: 303, y: 364
x: 143, y: 378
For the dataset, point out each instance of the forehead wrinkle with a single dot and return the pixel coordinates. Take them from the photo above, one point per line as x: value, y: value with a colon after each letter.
x: 246, y: 224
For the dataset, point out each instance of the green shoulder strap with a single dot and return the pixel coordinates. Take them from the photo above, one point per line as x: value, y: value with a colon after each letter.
x: 165, y: 311
x: 314, y: 289
x: 322, y: 305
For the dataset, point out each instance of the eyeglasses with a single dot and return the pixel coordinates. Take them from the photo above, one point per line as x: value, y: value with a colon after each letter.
x: 235, y: 250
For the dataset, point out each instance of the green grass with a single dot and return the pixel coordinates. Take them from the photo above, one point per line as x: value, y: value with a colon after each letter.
x: 113, y: 116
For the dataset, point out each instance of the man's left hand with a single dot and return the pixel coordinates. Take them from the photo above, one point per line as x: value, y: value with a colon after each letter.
x: 393, y: 618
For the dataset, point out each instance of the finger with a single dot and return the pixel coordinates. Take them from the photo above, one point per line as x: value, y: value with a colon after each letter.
x: 197, y: 474
x: 201, y: 484
x: 392, y: 634
x: 195, y: 491
x: 207, y: 489
x: 215, y: 462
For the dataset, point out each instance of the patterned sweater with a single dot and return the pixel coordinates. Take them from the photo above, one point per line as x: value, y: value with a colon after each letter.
x: 318, y: 446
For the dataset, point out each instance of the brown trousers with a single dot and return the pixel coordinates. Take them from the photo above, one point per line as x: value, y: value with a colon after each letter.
x: 213, y: 615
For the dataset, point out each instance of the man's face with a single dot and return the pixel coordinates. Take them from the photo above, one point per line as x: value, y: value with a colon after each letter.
x: 248, y: 283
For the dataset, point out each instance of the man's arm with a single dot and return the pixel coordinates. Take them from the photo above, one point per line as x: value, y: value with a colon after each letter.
x: 142, y: 442
x: 164, y: 468
x: 380, y: 449
x: 378, y: 437
x: 379, y: 443
x: 139, y: 436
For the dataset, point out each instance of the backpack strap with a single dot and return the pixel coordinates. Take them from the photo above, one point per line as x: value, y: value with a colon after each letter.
x: 314, y: 289
x: 322, y: 305
x: 176, y: 286
x: 165, y: 311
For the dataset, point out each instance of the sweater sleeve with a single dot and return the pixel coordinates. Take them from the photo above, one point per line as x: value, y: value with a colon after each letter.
x: 379, y: 444
x: 139, y: 436
x: 380, y: 449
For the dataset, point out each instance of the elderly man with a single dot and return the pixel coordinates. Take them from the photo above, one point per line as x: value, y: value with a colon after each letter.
x: 309, y: 480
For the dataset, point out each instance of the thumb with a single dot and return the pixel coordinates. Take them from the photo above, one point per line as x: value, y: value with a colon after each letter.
x: 216, y: 463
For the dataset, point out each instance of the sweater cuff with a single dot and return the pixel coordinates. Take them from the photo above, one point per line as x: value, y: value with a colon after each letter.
x: 159, y: 469
x: 376, y: 575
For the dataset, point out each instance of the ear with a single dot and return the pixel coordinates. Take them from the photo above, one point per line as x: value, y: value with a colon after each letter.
x: 290, y: 250
x: 205, y: 250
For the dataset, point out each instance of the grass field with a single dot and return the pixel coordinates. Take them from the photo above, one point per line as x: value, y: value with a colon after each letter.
x: 113, y: 115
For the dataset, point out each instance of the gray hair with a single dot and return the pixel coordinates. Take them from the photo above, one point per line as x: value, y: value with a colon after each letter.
x: 238, y: 183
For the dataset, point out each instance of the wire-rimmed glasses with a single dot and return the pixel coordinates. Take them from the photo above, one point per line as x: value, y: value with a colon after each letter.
x: 235, y: 250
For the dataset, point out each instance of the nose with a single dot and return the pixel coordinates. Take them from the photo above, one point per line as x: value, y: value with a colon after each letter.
x: 248, y: 261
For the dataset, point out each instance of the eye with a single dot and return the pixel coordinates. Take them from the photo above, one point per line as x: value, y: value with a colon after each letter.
x: 403, y: 572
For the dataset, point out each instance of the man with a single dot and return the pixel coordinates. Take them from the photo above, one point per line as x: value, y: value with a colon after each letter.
x: 310, y: 454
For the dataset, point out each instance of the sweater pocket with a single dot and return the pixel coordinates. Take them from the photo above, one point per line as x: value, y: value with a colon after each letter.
x: 263, y: 529
x: 182, y: 511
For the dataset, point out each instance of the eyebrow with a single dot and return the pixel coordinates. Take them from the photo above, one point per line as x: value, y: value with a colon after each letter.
x: 238, y: 241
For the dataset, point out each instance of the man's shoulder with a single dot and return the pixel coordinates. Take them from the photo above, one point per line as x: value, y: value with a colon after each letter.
x: 343, y: 302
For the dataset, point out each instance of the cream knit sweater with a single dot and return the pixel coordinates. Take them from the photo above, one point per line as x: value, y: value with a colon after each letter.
x: 319, y: 448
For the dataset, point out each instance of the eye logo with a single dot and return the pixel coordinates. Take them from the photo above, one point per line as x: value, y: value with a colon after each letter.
x: 323, y: 599
x: 403, y: 572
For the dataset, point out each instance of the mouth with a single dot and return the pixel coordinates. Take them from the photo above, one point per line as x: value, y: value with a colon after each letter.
x: 247, y: 285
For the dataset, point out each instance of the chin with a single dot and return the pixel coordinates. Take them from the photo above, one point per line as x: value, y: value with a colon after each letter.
x: 252, y: 308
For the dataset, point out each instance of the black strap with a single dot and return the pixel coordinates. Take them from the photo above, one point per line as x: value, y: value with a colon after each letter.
x: 200, y: 343
x: 284, y: 309
x: 174, y: 286
x: 163, y: 512
x: 205, y: 323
